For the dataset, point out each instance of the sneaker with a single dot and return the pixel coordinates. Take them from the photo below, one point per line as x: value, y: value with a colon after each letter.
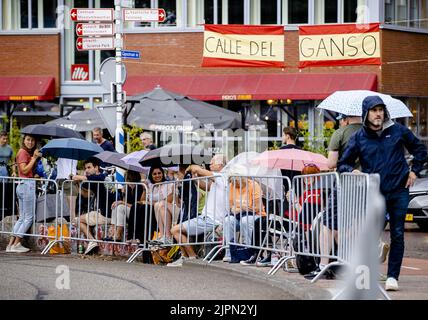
x: 383, y: 277
x: 391, y: 284
x: 227, y: 259
x: 177, y: 263
x: 8, y: 248
x: 18, y: 248
x: 249, y: 262
x: 326, y: 275
x: 384, y: 252
x: 265, y: 262
x: 92, y: 245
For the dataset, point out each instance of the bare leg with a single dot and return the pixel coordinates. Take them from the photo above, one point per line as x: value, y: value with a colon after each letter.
x: 326, y: 243
x: 159, y: 211
x: 182, y: 238
x: 85, y: 229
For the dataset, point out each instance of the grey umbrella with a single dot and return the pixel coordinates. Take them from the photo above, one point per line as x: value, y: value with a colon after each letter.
x: 51, y: 131
x: 81, y: 121
x: 115, y: 159
x: 174, y: 154
x: 160, y: 110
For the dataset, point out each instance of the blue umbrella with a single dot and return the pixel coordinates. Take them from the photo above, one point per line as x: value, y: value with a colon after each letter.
x: 71, y: 148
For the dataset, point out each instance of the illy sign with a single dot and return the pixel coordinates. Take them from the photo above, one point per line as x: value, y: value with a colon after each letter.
x: 79, y: 72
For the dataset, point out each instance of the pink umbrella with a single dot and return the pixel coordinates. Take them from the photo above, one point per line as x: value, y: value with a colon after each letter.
x: 291, y: 159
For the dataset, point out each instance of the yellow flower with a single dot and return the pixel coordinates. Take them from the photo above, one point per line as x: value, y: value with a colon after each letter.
x: 329, y: 125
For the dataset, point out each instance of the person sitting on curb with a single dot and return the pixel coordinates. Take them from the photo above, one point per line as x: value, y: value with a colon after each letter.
x: 91, y: 187
x: 122, y: 208
x: 213, y: 212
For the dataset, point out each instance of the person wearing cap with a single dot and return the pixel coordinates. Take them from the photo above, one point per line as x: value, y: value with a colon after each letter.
x: 379, y: 145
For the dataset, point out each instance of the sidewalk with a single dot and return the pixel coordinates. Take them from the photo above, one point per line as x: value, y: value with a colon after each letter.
x: 413, y: 280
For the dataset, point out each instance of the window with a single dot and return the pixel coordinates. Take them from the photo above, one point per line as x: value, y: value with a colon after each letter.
x: 330, y: 11
x: 173, y: 11
x: 297, y: 11
x: 350, y: 11
x: 28, y: 14
x: 264, y: 12
x: 406, y: 13
x: 235, y: 11
x: 401, y: 18
x: 200, y: 12
x: 326, y: 11
x: 414, y: 14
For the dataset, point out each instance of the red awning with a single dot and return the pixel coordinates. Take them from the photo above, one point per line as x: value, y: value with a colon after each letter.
x: 27, y: 88
x: 296, y: 86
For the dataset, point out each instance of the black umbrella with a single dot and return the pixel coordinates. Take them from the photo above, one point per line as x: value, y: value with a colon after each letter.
x: 51, y: 131
x: 115, y: 159
x: 162, y: 110
x: 175, y: 154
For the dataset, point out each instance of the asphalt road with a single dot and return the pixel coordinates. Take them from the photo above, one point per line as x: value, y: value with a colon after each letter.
x: 416, y: 242
x: 32, y: 276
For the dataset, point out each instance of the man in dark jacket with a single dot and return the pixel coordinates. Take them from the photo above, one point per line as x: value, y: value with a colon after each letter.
x: 380, y: 147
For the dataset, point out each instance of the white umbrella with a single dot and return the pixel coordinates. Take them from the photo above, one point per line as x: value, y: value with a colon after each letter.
x: 350, y: 103
x: 272, y: 187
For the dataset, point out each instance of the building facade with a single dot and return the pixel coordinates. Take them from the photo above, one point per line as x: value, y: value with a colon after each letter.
x: 41, y: 64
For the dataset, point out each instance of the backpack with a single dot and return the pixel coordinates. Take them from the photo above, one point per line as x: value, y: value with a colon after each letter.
x: 305, y: 264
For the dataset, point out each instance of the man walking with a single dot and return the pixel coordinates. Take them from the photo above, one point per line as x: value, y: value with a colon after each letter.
x: 380, y: 147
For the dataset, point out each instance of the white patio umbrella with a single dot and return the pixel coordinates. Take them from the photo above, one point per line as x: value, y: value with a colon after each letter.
x: 350, y: 103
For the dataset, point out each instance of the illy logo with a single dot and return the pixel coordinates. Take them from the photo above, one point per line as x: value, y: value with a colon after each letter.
x: 80, y: 72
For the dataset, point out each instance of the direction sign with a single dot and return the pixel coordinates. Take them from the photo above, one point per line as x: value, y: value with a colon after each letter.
x: 81, y: 14
x: 94, y: 29
x: 129, y: 54
x: 104, y: 43
x: 157, y: 15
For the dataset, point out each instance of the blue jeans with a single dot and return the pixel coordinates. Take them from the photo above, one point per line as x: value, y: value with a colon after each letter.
x: 244, y: 222
x: 26, y: 193
x: 396, y: 206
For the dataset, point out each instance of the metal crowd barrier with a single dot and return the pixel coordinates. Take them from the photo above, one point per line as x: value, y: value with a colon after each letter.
x: 257, y: 216
x: 360, y: 228
x: 175, y: 202
x: 90, y: 219
x: 45, y: 206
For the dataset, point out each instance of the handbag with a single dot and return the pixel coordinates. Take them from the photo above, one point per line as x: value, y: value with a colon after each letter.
x: 45, y: 206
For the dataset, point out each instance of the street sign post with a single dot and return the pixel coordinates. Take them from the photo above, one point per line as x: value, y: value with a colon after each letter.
x: 103, y: 43
x: 94, y: 29
x: 80, y: 14
x: 147, y: 15
x: 130, y: 54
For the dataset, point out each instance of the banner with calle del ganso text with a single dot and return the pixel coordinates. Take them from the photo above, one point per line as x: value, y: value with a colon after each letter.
x: 339, y: 45
x: 243, y: 46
